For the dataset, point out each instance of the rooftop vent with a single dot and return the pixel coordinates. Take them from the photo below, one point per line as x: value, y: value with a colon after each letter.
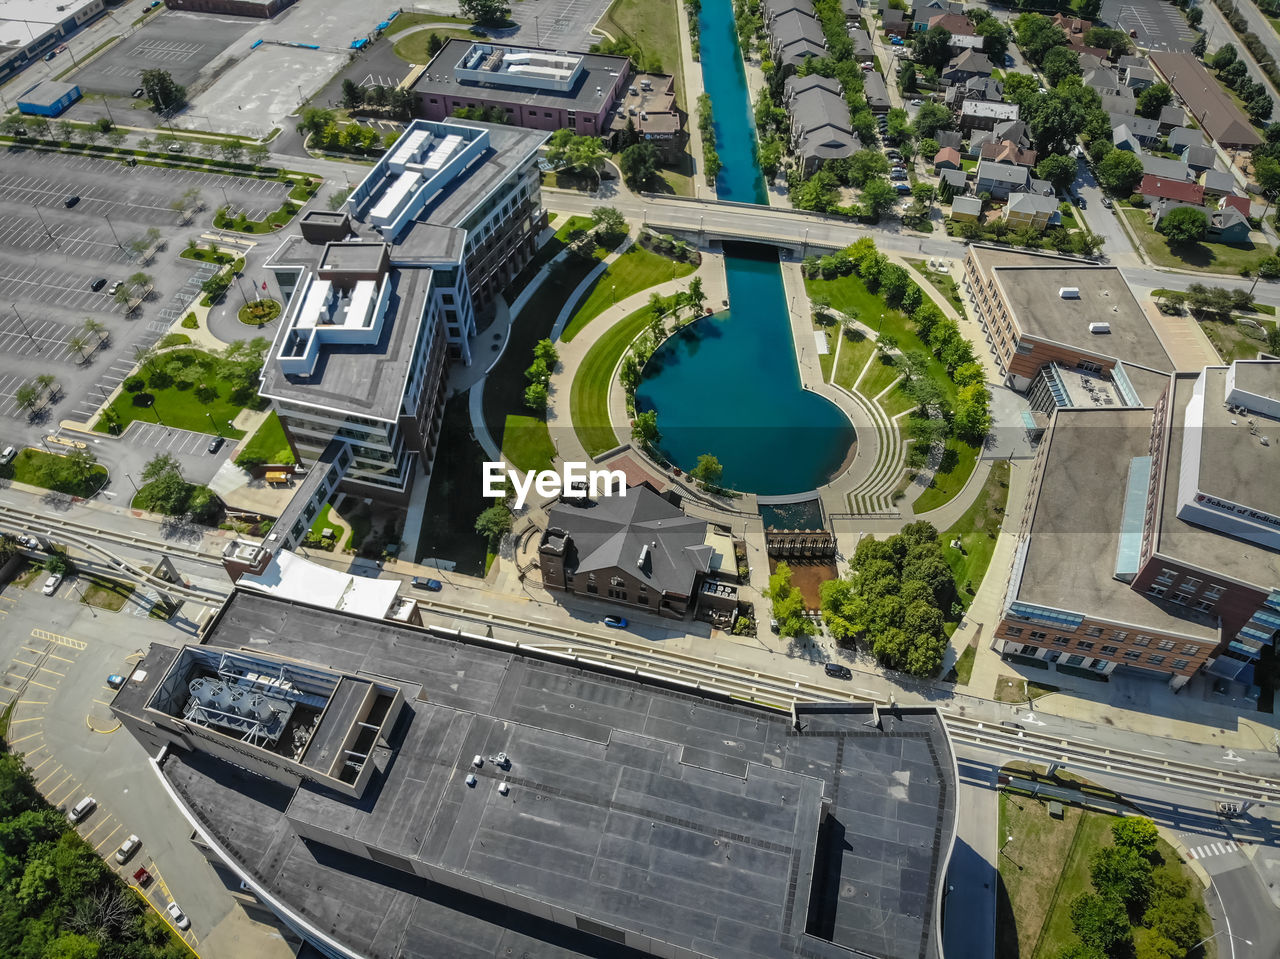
x: 1069, y: 292
x: 1099, y: 327
x: 644, y: 556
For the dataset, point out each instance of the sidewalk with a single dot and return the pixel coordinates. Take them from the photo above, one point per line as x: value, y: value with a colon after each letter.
x: 693, y: 89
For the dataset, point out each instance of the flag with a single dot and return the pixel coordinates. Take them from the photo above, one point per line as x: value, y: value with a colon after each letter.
x: 264, y: 284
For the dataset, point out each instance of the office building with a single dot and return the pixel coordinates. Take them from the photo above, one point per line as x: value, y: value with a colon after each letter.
x: 427, y: 794
x: 379, y: 298
x: 29, y: 29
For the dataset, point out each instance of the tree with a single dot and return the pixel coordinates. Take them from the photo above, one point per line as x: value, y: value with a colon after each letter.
x: 1060, y: 63
x: 1119, y: 172
x: 1154, y: 99
x: 486, y: 11
x: 1137, y: 833
x: 1259, y: 107
x: 1059, y: 169
x: 933, y: 47
x: 314, y: 120
x: 494, y: 523
x: 258, y: 154
x: 1200, y: 46
x: 644, y: 429
x: 708, y: 471
x: 907, y: 78
x: 695, y: 297
x: 864, y: 165
x: 788, y: 604
x: 352, y: 94
x: 899, y: 124
x: 1194, y: 17
x: 1175, y: 918
x: 1037, y: 35
x: 972, y: 417
x: 612, y: 224
x: 639, y: 164
x: 995, y: 37
x: 535, y: 396
x: 930, y: 118
x: 232, y: 150
x: 877, y: 197
x: 166, y: 95
x: 1183, y: 225
x: 1122, y: 873
x: 1116, y: 41
x: 159, y: 465
x: 1223, y: 57
x: 546, y: 351
x: 1101, y: 922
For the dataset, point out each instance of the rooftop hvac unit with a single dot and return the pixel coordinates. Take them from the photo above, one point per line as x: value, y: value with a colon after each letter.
x: 259, y: 708
x: 1069, y: 292
x: 1099, y: 327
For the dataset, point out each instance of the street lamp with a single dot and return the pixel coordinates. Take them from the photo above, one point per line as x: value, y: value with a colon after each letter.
x: 131, y: 480
x: 24, y: 328
x: 216, y: 428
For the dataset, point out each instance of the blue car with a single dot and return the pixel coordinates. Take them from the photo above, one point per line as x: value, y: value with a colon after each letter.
x: 115, y: 681
x: 898, y: 42
x: 430, y: 585
x: 615, y: 622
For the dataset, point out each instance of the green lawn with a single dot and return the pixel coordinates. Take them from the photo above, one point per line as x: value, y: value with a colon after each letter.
x: 49, y: 471
x: 854, y: 354
x: 977, y: 531
x: 633, y: 271
x: 413, y: 48
x: 407, y: 20
x: 589, y: 397
x: 958, y: 462
x: 526, y: 443
x: 944, y: 283
x: 1235, y: 341
x: 964, y: 665
x: 200, y: 401
x: 110, y: 594
x: 570, y: 226
x: 878, y: 376
x: 268, y: 445
x: 322, y: 521
x: 897, y: 401
x: 1204, y: 256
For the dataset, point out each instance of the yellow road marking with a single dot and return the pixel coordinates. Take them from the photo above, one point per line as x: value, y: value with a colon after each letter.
x: 74, y: 785
x: 108, y: 839
x: 33, y: 702
x: 101, y: 703
x: 15, y: 742
x: 8, y: 599
x: 36, y: 651
x: 90, y: 833
x: 29, y: 719
x: 35, y: 682
x: 63, y: 658
x: 23, y: 662
x: 60, y: 640
x: 47, y: 759
x: 46, y: 669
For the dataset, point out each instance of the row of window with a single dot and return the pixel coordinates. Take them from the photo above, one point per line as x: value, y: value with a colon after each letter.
x: 1132, y: 655
x: 1119, y: 635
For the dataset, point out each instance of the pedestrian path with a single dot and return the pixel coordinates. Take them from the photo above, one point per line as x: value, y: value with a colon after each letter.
x: 1209, y: 849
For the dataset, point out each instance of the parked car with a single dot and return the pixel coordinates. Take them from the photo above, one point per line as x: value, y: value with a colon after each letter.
x: 127, y: 849
x: 7, y: 456
x: 139, y: 93
x: 115, y: 287
x: 142, y: 877
x: 916, y: 103
x: 1106, y: 202
x: 98, y: 284
x: 1080, y: 201
x: 28, y: 542
x: 50, y: 55
x: 178, y: 916
x: 430, y: 585
x: 71, y: 200
x: 1011, y: 725
x: 615, y: 622
x: 174, y: 148
x: 215, y: 444
x: 82, y: 808
x: 898, y: 42
x: 837, y: 671
x: 51, y: 584
x: 115, y: 680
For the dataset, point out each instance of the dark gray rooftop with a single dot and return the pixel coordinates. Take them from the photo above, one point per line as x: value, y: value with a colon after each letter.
x: 353, y: 256
x: 364, y: 379
x: 672, y: 815
x: 598, y: 70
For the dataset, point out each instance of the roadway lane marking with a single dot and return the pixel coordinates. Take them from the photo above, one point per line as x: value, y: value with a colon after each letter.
x: 47, y: 636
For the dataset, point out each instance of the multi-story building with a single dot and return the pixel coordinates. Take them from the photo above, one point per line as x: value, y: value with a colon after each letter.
x: 30, y: 28
x: 592, y: 94
x: 379, y: 298
x: 1151, y: 538
x: 388, y: 790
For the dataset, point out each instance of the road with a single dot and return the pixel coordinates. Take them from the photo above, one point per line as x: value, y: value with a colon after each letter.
x: 1219, y: 33
x: 1249, y: 915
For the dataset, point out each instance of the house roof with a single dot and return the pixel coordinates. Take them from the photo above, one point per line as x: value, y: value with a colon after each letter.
x: 1227, y: 216
x: 949, y: 138
x: 1002, y: 172
x: 971, y: 61
x: 1031, y: 203
x: 1104, y: 80
x: 1165, y: 168
x: 796, y: 85
x: 955, y: 24
x: 1138, y: 126
x: 818, y: 108
x: 1006, y: 151
x: 1144, y: 75
x: 989, y: 88
x: 614, y: 531
x: 1217, y: 181
x: 1121, y: 134
x: 1171, y: 189
x: 776, y: 8
x: 1131, y: 61
x: 797, y: 36
x: 1181, y: 137
x: 1172, y: 116
x: 862, y: 46
x: 1238, y: 203
x: 874, y: 90
x: 1015, y: 130
x: 1201, y: 157
x: 959, y: 179
x: 1206, y: 100
x: 966, y: 204
x: 1071, y: 25
x: 1121, y: 102
x: 987, y: 108
x: 947, y: 155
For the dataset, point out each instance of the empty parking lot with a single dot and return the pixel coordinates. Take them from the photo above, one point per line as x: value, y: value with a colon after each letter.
x: 1159, y: 25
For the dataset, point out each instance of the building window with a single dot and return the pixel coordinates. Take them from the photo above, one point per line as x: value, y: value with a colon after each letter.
x: 1030, y: 650
x: 1132, y: 654
x: 1013, y: 632
x: 1093, y: 631
x: 1141, y: 640
x: 1119, y: 635
x: 1167, y: 576
x: 1036, y: 634
x: 1053, y: 655
x: 1213, y: 592
x: 1191, y: 584
x: 1098, y: 664
x: 1205, y: 605
x: 1156, y: 590
x: 1110, y: 650
x: 1182, y: 598
x: 1155, y: 660
x: 1074, y: 660
x: 1165, y: 645
x: 1190, y: 649
x: 1084, y: 644
x: 1061, y: 641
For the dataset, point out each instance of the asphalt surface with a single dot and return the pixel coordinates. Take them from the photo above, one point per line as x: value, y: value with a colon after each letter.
x: 1251, y: 927
x: 1159, y: 25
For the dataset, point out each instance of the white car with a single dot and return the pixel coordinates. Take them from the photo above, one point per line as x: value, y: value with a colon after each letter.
x: 916, y: 103
x: 51, y: 584
x: 178, y: 916
x: 82, y: 808
x: 7, y: 456
x: 127, y: 849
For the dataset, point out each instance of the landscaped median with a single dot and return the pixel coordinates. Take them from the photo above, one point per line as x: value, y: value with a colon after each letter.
x: 75, y: 472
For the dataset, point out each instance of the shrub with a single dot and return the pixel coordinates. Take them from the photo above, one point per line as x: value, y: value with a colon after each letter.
x: 189, y: 322
x: 135, y: 384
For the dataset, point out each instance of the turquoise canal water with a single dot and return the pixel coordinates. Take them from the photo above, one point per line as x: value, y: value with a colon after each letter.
x: 729, y: 384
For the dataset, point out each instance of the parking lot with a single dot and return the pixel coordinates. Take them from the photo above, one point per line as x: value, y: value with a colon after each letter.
x: 1160, y: 26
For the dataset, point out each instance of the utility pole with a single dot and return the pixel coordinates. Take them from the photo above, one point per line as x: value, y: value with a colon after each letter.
x: 24, y: 327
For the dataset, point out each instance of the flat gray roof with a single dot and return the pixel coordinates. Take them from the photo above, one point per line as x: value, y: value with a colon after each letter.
x: 598, y: 70
x: 1075, y: 526
x: 353, y: 256
x: 1032, y: 295
x: 1231, y: 468
x: 681, y: 817
x: 365, y: 379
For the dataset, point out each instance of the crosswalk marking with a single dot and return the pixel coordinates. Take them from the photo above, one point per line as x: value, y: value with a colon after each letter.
x: 1212, y: 849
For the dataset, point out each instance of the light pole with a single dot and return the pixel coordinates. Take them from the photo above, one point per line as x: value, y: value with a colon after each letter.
x: 46, y: 226
x: 24, y: 327
x: 108, y: 108
x: 217, y: 429
x: 131, y: 480
x: 1008, y: 839
x: 113, y: 231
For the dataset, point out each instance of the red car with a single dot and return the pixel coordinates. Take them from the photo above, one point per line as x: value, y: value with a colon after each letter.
x: 142, y: 876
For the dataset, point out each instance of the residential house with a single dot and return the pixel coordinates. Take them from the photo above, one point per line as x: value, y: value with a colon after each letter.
x: 922, y: 11
x: 1122, y: 102
x: 1226, y: 224
x: 1204, y: 97
x: 896, y: 23
x: 1001, y: 179
x: 947, y: 159
x: 1072, y: 26
x: 1104, y: 81
x: 968, y: 64
x: 1200, y: 158
x: 1217, y: 183
x: 1146, y: 131
x: 949, y: 138
x: 1154, y: 189
x: 961, y: 42
x: 820, y: 128
x: 984, y: 88
x: 1090, y: 61
x: 1182, y: 137
x: 957, y: 181
x: 1015, y: 130
x: 1122, y: 138
x: 1172, y: 116
x: 966, y: 208
x: 852, y: 9
x: 1128, y: 60
x: 1030, y: 209
x: 984, y: 115
x: 1137, y: 78
x: 956, y: 24
x: 794, y: 38
x: 862, y: 46
x: 770, y: 10
x: 1006, y: 151
x: 1165, y: 169
x: 1240, y: 203
x: 875, y: 91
